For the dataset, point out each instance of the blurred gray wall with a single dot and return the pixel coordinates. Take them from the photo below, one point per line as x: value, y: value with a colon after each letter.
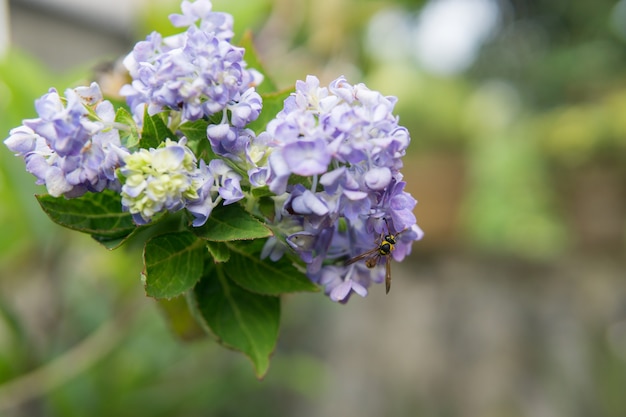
x: 64, y: 34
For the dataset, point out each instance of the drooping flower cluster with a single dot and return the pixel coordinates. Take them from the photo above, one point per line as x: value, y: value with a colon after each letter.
x: 73, y: 146
x: 347, y: 141
x: 197, y: 72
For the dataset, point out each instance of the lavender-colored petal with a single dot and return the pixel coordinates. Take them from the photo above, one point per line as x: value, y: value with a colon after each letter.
x: 272, y: 249
x: 279, y: 173
x: 332, y: 179
x: 359, y: 289
x: 231, y: 191
x: 22, y: 140
x: 307, y: 157
x: 89, y: 95
x: 199, y: 9
x: 258, y: 176
x: 341, y: 291
x: 306, y: 203
x: 201, y: 210
x: 302, y: 241
x: 377, y: 178
x: 357, y: 208
x: 56, y: 182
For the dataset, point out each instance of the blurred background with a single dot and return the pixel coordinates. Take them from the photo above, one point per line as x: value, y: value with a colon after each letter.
x: 513, y: 305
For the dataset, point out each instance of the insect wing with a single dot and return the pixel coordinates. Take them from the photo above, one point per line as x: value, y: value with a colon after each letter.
x: 368, y: 254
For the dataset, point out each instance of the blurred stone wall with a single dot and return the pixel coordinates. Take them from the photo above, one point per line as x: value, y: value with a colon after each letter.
x: 65, y: 36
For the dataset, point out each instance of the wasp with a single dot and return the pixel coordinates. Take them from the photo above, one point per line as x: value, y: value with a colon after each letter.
x: 385, y: 245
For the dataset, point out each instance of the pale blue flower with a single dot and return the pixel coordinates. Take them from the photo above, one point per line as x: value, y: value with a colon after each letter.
x: 346, y: 140
x: 197, y: 72
x: 74, y: 145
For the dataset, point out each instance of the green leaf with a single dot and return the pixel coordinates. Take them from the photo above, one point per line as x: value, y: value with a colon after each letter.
x: 232, y: 222
x: 266, y: 207
x: 116, y: 242
x: 195, y: 131
x: 129, y: 138
x: 264, y: 276
x: 99, y: 214
x: 155, y: 130
x: 219, y: 251
x: 242, y: 320
x: 197, y: 140
x: 110, y: 243
x: 173, y: 264
x: 262, y: 192
x: 161, y: 223
x: 272, y: 104
x: 252, y: 59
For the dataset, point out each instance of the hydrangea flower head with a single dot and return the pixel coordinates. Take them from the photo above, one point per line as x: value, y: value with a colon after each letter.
x: 73, y: 146
x: 346, y: 140
x: 197, y: 72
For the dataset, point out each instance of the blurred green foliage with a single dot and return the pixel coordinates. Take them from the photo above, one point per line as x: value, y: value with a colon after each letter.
x: 16, y: 103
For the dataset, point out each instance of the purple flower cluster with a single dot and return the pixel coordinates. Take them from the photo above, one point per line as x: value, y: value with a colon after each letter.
x: 218, y: 183
x: 197, y: 72
x: 331, y: 158
x: 73, y: 146
x: 346, y: 143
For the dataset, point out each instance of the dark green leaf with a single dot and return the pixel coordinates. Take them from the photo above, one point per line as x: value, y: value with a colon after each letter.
x: 129, y: 138
x: 266, y: 206
x: 219, y: 251
x: 262, y: 192
x: 197, y: 140
x: 155, y: 130
x: 99, y: 214
x: 114, y: 243
x: 242, y: 320
x: 263, y: 276
x: 109, y: 243
x: 161, y: 223
x: 232, y: 222
x: 195, y: 131
x: 173, y: 263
